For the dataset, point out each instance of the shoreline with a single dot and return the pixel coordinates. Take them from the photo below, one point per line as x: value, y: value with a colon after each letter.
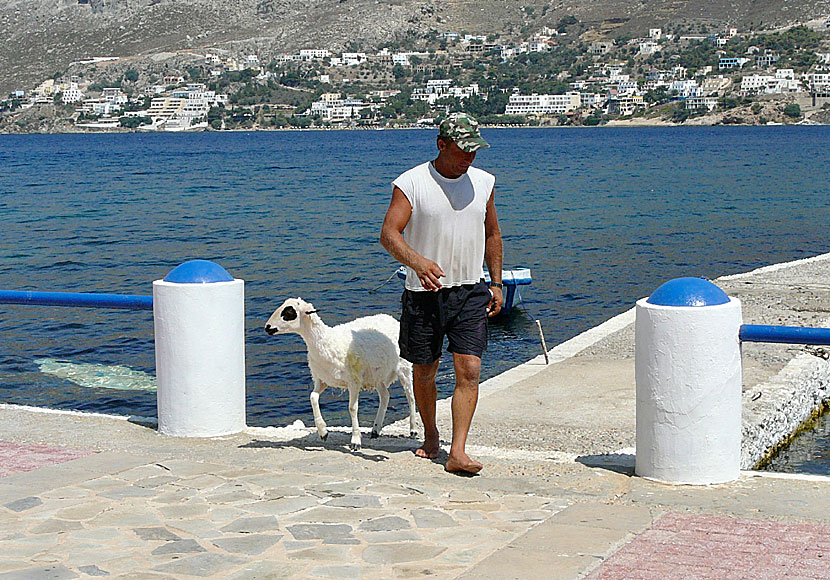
x: 795, y: 390
x: 610, y: 125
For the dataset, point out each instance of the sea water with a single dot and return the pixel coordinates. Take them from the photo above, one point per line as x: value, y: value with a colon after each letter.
x: 601, y: 217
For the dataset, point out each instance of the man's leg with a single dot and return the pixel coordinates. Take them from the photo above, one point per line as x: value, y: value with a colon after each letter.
x: 426, y: 396
x: 464, y: 401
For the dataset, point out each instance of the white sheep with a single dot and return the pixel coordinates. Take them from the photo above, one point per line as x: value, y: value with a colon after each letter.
x: 359, y: 355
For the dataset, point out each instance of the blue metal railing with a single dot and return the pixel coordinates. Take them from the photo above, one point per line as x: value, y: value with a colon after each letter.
x: 784, y: 334
x: 77, y: 299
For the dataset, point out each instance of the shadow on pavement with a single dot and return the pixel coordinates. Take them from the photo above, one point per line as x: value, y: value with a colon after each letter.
x: 617, y: 462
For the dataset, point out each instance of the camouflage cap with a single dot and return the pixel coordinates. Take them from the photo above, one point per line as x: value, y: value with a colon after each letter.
x: 462, y: 129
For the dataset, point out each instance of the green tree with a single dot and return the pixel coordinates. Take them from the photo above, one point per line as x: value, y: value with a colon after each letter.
x: 728, y: 102
x: 793, y: 110
x: 299, y: 122
x: 680, y: 114
x: 134, y: 122
x: 564, y: 22
x: 658, y: 95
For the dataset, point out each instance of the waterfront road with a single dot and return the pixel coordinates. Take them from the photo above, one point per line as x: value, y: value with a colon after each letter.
x: 93, y: 496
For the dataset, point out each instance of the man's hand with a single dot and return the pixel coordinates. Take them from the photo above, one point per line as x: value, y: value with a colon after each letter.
x: 429, y: 273
x: 496, y: 301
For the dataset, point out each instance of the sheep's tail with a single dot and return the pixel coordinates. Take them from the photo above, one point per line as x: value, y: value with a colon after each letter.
x: 405, y: 378
x: 405, y: 375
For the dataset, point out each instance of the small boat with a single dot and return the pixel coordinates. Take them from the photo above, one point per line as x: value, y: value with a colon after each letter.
x: 511, y: 279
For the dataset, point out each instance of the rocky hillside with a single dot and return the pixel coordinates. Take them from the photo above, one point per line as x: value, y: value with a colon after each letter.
x: 42, y: 37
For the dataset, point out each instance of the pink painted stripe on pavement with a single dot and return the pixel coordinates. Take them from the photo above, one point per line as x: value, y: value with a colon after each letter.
x: 706, y: 547
x: 15, y: 458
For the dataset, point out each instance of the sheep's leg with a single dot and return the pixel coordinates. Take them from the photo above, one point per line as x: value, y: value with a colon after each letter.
x: 319, y: 387
x: 383, y: 393
x: 354, y: 391
x: 405, y: 377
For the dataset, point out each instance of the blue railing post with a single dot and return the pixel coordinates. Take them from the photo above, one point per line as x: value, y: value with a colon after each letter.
x: 785, y: 334
x: 77, y: 299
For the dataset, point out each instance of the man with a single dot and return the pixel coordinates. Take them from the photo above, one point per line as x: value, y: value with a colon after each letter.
x: 442, y: 225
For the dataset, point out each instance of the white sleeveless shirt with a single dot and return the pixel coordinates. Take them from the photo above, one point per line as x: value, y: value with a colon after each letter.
x: 447, y: 222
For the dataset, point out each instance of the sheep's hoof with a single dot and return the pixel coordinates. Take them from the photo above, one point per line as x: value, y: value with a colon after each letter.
x: 375, y: 434
x: 413, y: 434
x: 354, y: 446
x: 324, y: 436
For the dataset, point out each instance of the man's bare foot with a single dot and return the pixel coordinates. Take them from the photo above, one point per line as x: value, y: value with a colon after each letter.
x: 462, y: 464
x: 431, y: 447
x: 427, y: 452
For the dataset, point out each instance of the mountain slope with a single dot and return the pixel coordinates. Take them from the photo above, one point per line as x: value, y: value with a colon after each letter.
x: 42, y: 37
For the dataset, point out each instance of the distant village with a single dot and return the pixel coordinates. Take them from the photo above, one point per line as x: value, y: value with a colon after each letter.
x: 678, y: 75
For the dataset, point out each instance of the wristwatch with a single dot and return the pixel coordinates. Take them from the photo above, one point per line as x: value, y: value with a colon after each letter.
x: 496, y: 285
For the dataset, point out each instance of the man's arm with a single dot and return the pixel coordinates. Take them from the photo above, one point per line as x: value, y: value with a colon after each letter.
x: 493, y: 253
x: 391, y: 238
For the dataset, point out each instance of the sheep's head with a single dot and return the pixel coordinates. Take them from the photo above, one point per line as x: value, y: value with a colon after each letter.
x: 289, y: 317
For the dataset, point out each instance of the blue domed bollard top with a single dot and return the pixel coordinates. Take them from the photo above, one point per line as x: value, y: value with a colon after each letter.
x: 198, y: 272
x: 688, y: 292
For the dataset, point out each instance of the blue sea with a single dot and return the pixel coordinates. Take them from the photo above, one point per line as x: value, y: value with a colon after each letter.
x: 600, y: 216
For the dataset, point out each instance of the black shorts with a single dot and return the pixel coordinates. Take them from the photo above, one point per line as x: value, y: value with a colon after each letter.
x: 459, y: 313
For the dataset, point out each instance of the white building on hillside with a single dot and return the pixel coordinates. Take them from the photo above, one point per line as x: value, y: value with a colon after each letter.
x: 731, y: 62
x: 437, y: 89
x: 114, y: 95
x: 627, y: 87
x: 591, y: 100
x: 72, y: 94
x: 314, y: 53
x: 685, y: 88
x: 601, y: 47
x: 615, y: 75
x: 98, y: 107
x: 819, y: 83
x: 353, y: 58
x: 649, y: 47
x: 334, y: 108
x: 405, y: 58
x: 519, y: 104
x: 770, y: 85
x: 698, y: 103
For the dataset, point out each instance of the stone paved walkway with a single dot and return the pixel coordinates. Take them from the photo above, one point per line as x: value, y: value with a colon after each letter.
x: 180, y: 519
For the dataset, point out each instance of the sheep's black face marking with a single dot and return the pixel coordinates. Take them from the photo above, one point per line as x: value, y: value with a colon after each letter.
x: 289, y: 313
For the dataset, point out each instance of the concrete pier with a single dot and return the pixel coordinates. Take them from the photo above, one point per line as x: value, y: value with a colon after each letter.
x: 94, y: 496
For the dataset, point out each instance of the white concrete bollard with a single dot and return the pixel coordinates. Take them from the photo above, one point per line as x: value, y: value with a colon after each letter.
x: 199, y: 312
x: 688, y: 374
